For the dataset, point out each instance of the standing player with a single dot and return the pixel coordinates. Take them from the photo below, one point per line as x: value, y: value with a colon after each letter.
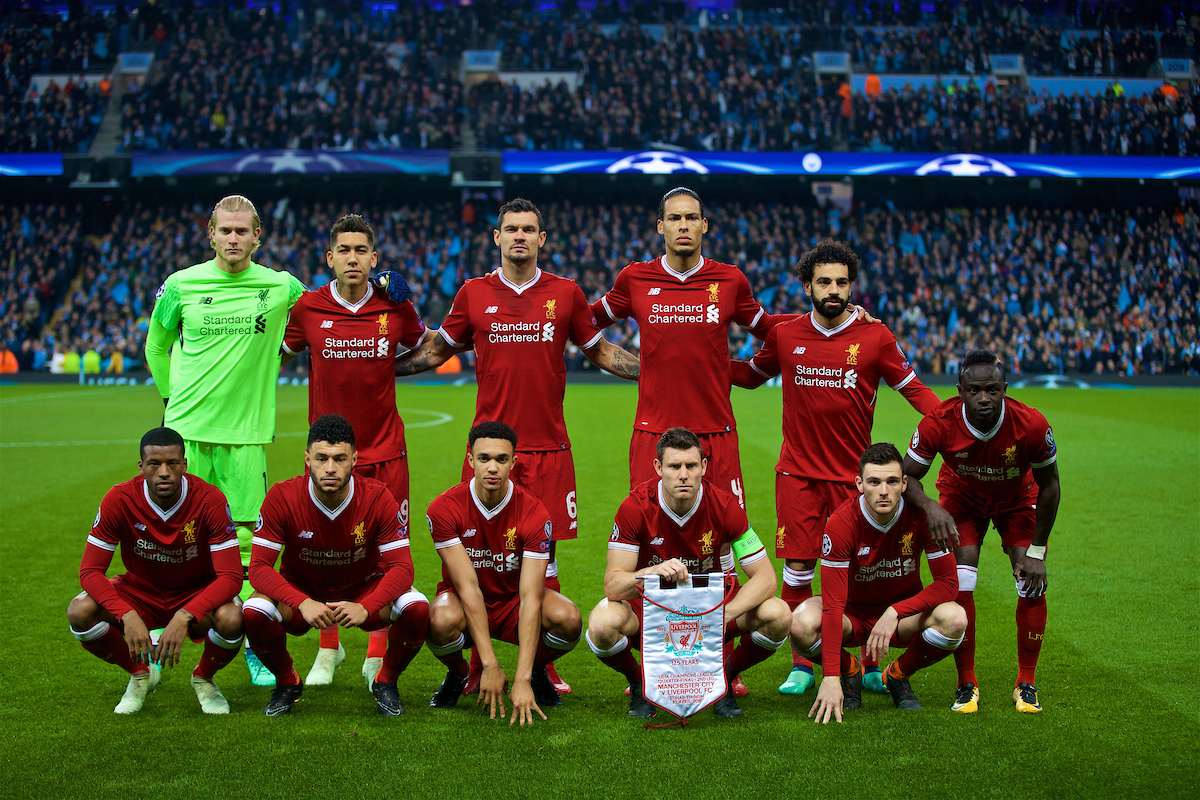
x: 673, y: 527
x: 213, y: 349
x: 518, y: 319
x: 354, y: 336
x: 998, y: 465
x: 493, y: 537
x: 345, y: 562
x: 832, y: 361
x: 871, y: 592
x: 178, y: 545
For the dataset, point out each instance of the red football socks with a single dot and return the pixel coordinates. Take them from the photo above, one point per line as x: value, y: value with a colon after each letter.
x: 269, y: 642
x: 964, y: 656
x: 1031, y: 626
x: 377, y: 641
x: 794, y: 596
x: 624, y: 663
x: 747, y: 653
x: 214, y: 659
x: 329, y: 638
x: 403, y: 640
x: 111, y: 647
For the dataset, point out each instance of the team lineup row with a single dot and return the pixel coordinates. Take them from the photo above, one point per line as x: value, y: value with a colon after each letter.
x: 218, y: 387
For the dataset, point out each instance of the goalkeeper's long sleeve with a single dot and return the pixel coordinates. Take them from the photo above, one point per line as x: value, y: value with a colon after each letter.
x: 158, y: 356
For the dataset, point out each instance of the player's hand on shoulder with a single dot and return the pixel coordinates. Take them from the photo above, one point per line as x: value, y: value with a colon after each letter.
x: 942, y: 529
x: 866, y: 315
x: 829, y: 701
x: 393, y: 284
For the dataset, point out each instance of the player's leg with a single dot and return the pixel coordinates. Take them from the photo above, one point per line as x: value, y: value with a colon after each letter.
x: 805, y: 635
x: 100, y: 634
x: 223, y: 631
x: 764, y: 629
x: 643, y: 449
x: 932, y: 636
x: 405, y: 624
x: 972, y: 527
x: 797, y: 544
x: 267, y: 625
x: 1016, y: 531
x: 610, y: 626
x: 446, y: 640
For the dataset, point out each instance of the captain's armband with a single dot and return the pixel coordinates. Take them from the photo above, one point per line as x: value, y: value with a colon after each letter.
x: 746, y: 544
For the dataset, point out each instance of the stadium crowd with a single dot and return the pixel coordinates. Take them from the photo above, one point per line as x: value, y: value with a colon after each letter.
x: 1101, y: 292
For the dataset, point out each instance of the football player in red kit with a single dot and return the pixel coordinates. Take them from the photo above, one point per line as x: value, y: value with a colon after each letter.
x: 674, y: 526
x: 184, y: 572
x: 999, y: 466
x: 493, y: 537
x: 832, y: 361
x: 354, y: 333
x: 519, y: 319
x: 345, y: 562
x: 871, y: 592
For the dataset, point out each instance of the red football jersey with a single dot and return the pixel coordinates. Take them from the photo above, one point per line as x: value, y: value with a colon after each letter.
x: 701, y: 538
x: 867, y: 567
x: 995, y: 464
x: 520, y: 334
x: 497, y: 540
x: 330, y: 555
x: 830, y: 382
x: 683, y: 321
x: 352, y: 352
x: 178, y: 551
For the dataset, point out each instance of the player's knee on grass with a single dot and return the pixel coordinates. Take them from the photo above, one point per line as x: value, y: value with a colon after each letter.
x: 83, y: 612
x: 227, y: 621
x: 806, y: 623
x: 950, y: 620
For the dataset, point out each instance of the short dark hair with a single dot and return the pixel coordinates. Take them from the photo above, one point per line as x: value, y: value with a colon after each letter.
x: 827, y: 251
x: 161, y: 437
x: 351, y: 223
x: 519, y: 205
x: 331, y: 428
x: 492, y: 430
x: 678, y: 190
x: 880, y: 454
x: 974, y: 357
x: 678, y: 439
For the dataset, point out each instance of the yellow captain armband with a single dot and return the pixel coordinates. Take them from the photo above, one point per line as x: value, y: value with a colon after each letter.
x: 746, y: 544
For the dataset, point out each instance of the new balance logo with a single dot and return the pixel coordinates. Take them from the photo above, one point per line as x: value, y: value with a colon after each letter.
x: 139, y: 526
x: 306, y: 534
x: 963, y: 454
x: 799, y: 351
x: 654, y: 291
x: 468, y: 533
x: 326, y: 323
x: 206, y: 301
x: 491, y: 309
x: 657, y: 540
x: 864, y: 551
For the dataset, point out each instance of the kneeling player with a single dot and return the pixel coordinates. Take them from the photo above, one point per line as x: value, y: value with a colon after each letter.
x: 673, y: 527
x: 345, y: 562
x: 871, y: 592
x: 178, y: 543
x: 494, y: 541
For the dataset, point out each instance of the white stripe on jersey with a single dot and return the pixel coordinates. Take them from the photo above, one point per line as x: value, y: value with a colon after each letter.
x: 103, y: 545
x: 939, y: 554
x: 757, y: 555
x: 534, y: 554
x: 911, y: 377
x: 266, y: 543
x: 913, y: 455
x: 217, y: 547
x: 835, y: 564
x: 387, y: 548
x: 629, y: 548
x: 443, y: 545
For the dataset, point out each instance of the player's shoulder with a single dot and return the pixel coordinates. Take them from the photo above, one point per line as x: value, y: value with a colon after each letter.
x: 455, y: 497
x: 289, y: 490
x: 370, y: 489
x: 642, y: 497
x: 525, y: 501
x: 719, y: 497
x: 946, y: 411
x: 719, y: 269
x: 125, y: 491
x: 1023, y: 413
x: 848, y: 514
x: 202, y: 489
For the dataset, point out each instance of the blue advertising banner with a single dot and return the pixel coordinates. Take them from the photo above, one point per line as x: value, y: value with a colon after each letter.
x: 13, y: 165
x: 835, y: 164
x: 304, y: 162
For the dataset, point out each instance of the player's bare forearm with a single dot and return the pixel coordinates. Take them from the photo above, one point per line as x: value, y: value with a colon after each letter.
x: 620, y: 579
x: 529, y: 618
x: 1049, y: 494
x: 610, y: 358
x: 762, y: 584
x: 432, y: 353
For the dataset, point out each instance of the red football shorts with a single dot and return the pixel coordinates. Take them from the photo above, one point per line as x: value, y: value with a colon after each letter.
x: 721, y: 450
x: 155, y: 606
x: 802, y: 507
x: 1014, y: 519
x: 298, y: 627
x: 502, y: 616
x: 550, y: 477
x: 860, y: 629
x: 393, y: 474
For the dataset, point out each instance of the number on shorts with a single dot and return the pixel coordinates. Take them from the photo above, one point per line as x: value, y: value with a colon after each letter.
x: 735, y: 486
x: 572, y: 510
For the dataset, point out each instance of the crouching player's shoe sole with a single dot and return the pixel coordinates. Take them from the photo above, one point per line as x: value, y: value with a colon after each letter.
x: 328, y: 659
x: 799, y: 681
x: 1026, y: 698
x: 135, y: 693
x: 966, y: 699
x: 209, y: 695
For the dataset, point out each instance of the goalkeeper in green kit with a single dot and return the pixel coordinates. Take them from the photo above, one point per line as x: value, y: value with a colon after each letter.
x: 213, y: 349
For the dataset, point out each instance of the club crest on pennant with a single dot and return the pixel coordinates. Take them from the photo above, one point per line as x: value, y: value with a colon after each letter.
x: 683, y: 634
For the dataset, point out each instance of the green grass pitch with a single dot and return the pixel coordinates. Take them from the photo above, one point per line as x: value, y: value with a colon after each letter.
x: 1118, y: 671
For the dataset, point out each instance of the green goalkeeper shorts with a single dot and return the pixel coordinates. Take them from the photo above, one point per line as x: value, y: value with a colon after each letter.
x: 238, y: 470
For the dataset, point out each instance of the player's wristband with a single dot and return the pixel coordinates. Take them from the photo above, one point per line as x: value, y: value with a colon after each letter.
x: 746, y: 544
x: 1036, y: 551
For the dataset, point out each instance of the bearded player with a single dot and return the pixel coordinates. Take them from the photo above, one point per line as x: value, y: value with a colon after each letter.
x: 998, y: 466
x: 179, y: 547
x: 345, y: 562
x: 519, y: 320
x: 871, y: 592
x: 673, y: 527
x: 832, y: 361
x: 213, y: 349
x: 493, y: 538
x: 354, y: 333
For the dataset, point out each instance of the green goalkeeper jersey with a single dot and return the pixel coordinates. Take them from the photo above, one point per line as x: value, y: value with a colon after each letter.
x: 225, y: 355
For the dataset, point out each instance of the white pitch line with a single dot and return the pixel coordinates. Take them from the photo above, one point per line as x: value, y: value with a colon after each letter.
x: 92, y: 393
x: 439, y: 418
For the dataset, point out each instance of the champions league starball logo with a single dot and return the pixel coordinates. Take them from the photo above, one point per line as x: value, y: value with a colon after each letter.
x: 656, y: 162
x: 965, y: 165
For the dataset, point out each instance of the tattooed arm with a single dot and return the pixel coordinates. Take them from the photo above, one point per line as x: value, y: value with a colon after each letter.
x: 430, y: 354
x: 610, y: 358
